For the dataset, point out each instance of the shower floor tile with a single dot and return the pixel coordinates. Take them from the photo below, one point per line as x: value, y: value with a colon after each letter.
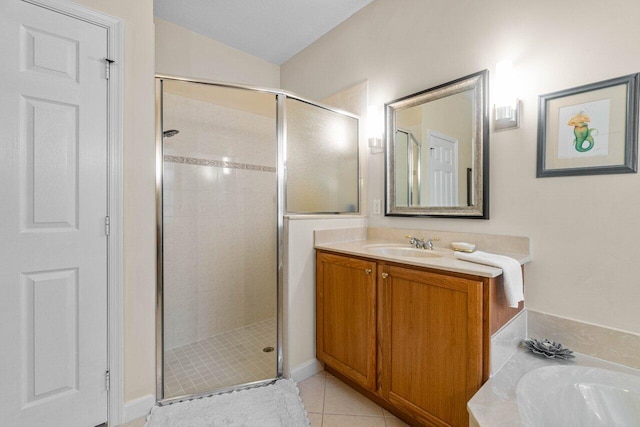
x: 224, y: 360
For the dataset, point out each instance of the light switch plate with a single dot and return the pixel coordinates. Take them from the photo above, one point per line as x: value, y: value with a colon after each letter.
x: 376, y: 207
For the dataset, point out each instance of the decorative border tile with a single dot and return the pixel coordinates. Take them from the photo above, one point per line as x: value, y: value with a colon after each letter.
x: 217, y: 163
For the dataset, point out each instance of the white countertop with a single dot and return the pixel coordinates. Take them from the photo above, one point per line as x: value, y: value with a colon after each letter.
x: 495, y: 404
x: 447, y: 262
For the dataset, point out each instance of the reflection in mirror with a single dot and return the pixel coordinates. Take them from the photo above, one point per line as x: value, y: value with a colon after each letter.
x: 407, y: 158
x: 436, y: 151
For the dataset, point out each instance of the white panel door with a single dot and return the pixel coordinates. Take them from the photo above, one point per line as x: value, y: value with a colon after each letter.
x: 443, y: 170
x: 53, y: 202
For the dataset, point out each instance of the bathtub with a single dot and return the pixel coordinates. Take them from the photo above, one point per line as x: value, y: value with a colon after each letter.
x: 532, y: 391
x: 579, y: 396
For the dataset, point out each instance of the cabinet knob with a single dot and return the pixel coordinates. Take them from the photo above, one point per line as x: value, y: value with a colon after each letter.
x: 368, y: 271
x: 385, y: 275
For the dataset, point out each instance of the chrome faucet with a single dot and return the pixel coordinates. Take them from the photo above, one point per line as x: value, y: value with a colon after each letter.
x: 428, y: 244
x: 415, y: 242
x: 421, y: 244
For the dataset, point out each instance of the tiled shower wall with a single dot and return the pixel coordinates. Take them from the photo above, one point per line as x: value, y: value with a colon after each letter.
x: 219, y: 219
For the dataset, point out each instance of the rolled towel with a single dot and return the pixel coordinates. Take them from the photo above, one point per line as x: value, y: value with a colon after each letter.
x: 511, y: 270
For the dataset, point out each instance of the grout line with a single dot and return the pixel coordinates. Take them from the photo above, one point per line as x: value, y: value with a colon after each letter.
x: 324, y: 392
x: 223, y: 360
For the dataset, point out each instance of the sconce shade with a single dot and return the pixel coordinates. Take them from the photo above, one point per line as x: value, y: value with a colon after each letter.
x: 506, y: 116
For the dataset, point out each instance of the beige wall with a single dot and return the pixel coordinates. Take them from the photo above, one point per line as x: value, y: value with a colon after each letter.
x: 139, y: 193
x: 585, y: 230
x: 181, y: 52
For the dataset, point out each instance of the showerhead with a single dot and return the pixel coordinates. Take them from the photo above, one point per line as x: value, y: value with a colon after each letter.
x: 169, y: 133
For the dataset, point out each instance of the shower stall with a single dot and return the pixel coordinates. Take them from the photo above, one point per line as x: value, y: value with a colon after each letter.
x: 231, y: 162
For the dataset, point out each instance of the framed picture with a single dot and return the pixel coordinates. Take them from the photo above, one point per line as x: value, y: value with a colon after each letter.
x: 589, y: 130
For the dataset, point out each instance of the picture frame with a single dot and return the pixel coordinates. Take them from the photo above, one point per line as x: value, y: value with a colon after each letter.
x: 590, y: 129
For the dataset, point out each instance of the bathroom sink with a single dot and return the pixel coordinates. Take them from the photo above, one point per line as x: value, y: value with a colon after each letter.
x: 578, y: 396
x: 402, y: 251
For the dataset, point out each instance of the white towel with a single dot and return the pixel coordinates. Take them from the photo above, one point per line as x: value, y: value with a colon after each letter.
x: 511, y: 270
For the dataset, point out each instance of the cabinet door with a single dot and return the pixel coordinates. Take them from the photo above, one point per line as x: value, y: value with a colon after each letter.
x: 346, y: 316
x: 431, y: 344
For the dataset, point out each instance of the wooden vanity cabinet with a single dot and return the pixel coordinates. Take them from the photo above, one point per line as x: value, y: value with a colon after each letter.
x: 431, y: 342
x: 415, y: 340
x: 346, y: 316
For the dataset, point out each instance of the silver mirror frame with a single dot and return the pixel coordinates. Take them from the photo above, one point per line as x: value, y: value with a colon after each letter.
x: 479, y: 82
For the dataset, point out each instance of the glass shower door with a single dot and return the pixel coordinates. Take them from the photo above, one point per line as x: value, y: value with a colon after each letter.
x: 219, y: 237
x: 322, y: 160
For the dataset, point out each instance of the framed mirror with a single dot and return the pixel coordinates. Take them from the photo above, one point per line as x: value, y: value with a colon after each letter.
x: 437, y: 151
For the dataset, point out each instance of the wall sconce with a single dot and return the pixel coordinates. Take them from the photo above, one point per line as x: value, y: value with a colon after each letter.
x: 375, y: 123
x: 506, y: 110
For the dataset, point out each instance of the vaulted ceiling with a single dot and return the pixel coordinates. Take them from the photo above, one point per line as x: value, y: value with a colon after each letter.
x: 274, y: 30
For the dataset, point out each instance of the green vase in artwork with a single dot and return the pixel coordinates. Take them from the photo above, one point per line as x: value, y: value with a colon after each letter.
x: 583, y: 141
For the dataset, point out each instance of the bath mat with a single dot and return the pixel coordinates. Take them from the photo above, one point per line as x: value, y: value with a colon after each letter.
x: 275, y: 405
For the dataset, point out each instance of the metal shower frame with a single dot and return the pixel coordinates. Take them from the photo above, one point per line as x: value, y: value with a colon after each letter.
x: 281, y: 176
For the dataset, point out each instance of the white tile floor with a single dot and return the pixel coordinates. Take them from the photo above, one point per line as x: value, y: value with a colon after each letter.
x: 232, y: 358
x: 331, y: 403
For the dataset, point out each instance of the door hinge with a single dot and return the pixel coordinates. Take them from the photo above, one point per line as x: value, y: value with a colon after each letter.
x: 107, y: 380
x: 107, y: 67
x: 107, y: 225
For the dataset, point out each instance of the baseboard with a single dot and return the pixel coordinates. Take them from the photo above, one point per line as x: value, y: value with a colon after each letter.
x: 138, y: 408
x: 306, y: 370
